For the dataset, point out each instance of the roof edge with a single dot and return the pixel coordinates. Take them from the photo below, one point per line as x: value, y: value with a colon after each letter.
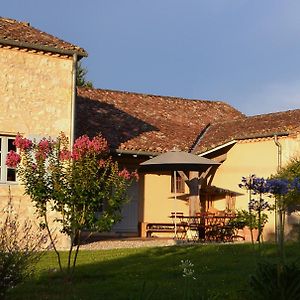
x: 249, y: 137
x: 135, y: 152
x: 42, y: 48
x: 262, y: 135
x: 218, y: 147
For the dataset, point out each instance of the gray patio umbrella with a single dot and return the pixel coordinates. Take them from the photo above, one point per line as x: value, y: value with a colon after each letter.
x: 177, y: 161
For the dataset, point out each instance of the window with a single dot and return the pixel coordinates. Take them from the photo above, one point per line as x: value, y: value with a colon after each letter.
x: 6, y: 174
x: 179, y: 184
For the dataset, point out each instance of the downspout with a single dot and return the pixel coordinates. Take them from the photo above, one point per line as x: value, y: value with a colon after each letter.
x: 279, y: 152
x: 278, y: 216
x: 73, y: 99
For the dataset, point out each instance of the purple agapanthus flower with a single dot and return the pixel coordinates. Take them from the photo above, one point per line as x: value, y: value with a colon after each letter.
x: 278, y: 186
x: 247, y: 182
x: 259, y: 205
x: 295, y: 185
x: 260, y: 185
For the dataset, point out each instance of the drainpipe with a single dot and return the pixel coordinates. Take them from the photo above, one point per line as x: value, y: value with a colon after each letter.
x: 73, y: 99
x: 279, y: 152
x: 277, y: 214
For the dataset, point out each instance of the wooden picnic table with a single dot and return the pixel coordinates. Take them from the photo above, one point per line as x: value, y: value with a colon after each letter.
x: 204, y: 226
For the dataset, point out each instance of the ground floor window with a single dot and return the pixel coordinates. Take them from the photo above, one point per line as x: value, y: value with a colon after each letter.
x: 6, y: 145
x: 179, y: 184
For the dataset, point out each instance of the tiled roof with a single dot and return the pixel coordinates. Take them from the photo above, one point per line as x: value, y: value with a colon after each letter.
x: 256, y: 126
x: 139, y: 122
x: 21, y: 34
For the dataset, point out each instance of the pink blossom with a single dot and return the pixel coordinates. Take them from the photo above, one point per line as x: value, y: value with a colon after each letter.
x: 33, y: 166
x: 22, y: 143
x: 102, y: 163
x: 12, y: 159
x: 81, y: 146
x: 65, y: 155
x: 125, y: 174
x: 44, y: 146
x: 40, y: 155
x: 135, y: 175
x: 76, y: 155
x: 98, y: 144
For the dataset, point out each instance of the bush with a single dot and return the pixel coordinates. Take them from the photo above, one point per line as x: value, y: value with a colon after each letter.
x: 275, y: 281
x: 20, y: 249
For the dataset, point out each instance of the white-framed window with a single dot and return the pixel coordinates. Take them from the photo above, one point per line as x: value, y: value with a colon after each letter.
x: 180, y: 184
x: 7, y: 175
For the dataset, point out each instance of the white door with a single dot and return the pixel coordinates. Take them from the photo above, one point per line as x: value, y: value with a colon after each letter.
x: 129, y: 222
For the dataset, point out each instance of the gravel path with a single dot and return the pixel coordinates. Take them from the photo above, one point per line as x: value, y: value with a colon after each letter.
x: 127, y: 243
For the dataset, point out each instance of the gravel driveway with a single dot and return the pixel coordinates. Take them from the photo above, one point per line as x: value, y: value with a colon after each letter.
x: 128, y: 243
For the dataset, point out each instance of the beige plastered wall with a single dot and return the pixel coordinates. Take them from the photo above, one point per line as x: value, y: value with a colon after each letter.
x: 256, y: 156
x: 36, y: 95
x: 159, y: 201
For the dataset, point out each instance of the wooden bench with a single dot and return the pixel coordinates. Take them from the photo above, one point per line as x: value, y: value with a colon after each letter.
x: 164, y: 228
x: 159, y: 227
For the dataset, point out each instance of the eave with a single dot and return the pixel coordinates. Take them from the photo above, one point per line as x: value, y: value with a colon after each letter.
x: 42, y: 48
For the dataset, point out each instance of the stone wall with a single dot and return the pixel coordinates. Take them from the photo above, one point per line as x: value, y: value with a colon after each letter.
x: 35, y: 94
x: 24, y: 208
x: 36, y: 98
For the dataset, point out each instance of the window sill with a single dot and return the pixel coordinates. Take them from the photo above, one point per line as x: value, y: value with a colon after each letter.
x: 9, y: 183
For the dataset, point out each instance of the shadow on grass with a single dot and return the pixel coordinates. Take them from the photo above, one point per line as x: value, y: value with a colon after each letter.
x: 221, y: 272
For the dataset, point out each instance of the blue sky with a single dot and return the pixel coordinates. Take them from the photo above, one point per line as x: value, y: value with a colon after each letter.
x: 244, y: 52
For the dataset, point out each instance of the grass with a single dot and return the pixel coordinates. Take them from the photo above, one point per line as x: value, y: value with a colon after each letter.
x: 221, y: 271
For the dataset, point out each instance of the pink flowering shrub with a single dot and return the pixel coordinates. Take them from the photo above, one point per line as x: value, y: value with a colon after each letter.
x: 98, y: 145
x: 22, y: 143
x: 128, y: 175
x: 84, y: 146
x: 13, y: 159
x: 77, y: 183
x: 65, y: 154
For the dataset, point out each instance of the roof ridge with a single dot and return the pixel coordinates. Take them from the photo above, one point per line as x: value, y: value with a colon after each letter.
x: 274, y: 113
x: 159, y: 96
x: 254, y: 116
x: 243, y: 117
x: 10, y: 20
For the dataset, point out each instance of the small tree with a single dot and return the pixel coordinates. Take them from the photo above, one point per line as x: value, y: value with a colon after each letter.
x: 256, y: 188
x: 81, y: 76
x: 74, y: 184
x: 285, y: 186
x: 283, y: 280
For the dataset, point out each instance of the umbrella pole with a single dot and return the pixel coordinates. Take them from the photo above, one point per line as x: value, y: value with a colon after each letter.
x: 175, y: 200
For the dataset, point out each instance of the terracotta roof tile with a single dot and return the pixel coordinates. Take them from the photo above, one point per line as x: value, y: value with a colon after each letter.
x: 139, y: 122
x: 21, y: 34
x: 250, y: 127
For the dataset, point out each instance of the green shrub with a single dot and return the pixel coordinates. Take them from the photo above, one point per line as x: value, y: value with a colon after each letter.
x: 244, y: 218
x: 20, y: 249
x: 275, y: 281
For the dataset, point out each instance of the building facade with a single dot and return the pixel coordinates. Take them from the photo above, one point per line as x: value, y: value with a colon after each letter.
x: 37, y: 85
x: 39, y: 98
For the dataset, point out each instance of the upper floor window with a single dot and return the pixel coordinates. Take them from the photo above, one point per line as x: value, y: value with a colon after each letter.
x: 6, y: 174
x: 179, y: 184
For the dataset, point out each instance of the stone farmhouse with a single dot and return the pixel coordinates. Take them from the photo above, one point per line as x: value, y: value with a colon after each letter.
x: 39, y: 98
x: 38, y: 73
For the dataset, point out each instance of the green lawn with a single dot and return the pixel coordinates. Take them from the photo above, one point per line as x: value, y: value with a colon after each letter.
x: 221, y: 271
